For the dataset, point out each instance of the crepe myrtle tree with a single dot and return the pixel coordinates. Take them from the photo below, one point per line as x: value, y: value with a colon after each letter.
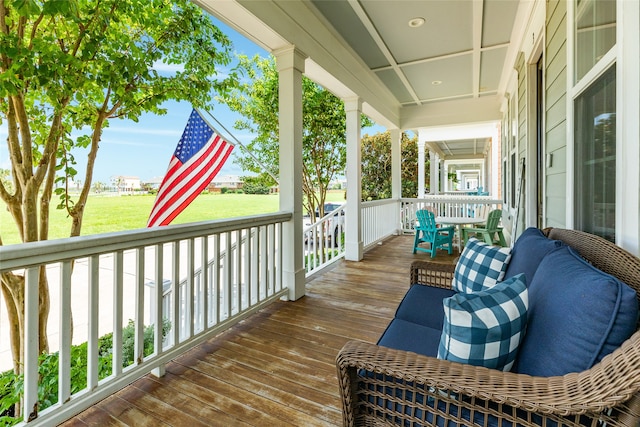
x: 377, y: 162
x: 66, y: 69
x: 323, y: 122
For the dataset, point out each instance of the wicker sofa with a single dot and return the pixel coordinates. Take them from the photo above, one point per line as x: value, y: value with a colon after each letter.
x: 380, y: 385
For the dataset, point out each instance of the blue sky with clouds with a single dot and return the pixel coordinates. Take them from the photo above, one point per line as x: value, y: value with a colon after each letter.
x: 143, y: 149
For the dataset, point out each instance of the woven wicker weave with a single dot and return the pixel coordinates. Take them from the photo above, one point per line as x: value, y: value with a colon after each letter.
x: 410, y: 388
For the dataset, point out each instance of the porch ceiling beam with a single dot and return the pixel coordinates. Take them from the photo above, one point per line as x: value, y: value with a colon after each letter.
x: 466, y: 157
x: 371, y: 29
x: 449, y: 113
x: 433, y: 146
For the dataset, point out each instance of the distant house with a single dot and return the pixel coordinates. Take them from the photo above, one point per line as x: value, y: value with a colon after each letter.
x: 125, y: 184
x: 232, y: 182
x: 153, y: 183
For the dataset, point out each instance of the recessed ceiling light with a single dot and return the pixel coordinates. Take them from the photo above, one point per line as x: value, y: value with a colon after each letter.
x: 436, y: 82
x: 416, y: 22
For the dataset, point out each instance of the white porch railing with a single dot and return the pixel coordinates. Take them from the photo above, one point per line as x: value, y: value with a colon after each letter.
x: 232, y: 269
x: 379, y: 220
x: 449, y: 206
x: 324, y: 241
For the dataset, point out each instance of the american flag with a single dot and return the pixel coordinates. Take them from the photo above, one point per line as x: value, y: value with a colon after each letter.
x: 199, y: 156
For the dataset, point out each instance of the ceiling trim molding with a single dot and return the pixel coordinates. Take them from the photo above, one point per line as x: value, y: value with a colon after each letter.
x: 478, y: 7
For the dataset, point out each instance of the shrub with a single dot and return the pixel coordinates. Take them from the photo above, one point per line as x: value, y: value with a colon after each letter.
x: 12, y: 385
x: 255, y: 188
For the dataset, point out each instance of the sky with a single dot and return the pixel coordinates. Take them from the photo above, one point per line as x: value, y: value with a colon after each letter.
x: 143, y: 149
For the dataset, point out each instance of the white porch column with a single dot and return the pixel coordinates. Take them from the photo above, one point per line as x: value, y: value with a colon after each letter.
x: 396, y: 173
x: 353, y: 239
x: 422, y: 139
x: 290, y: 63
x: 444, y: 177
x: 434, y: 181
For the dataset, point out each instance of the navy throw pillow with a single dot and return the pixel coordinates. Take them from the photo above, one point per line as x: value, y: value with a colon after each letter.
x: 577, y: 315
x: 528, y: 251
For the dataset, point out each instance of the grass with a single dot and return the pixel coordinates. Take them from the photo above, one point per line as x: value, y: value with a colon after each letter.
x: 107, y: 214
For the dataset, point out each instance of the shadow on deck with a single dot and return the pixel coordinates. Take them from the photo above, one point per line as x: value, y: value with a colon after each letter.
x: 276, y: 367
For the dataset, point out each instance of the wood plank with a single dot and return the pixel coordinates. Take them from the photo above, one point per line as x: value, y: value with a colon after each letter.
x: 278, y: 366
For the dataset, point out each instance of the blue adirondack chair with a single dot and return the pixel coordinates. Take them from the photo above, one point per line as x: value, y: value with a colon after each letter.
x: 428, y: 232
x: 490, y: 233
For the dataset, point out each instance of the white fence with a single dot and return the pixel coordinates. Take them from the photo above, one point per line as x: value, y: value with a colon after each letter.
x: 232, y: 269
x: 324, y: 240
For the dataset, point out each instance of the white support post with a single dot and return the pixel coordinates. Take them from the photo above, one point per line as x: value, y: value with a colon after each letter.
x: 433, y: 172
x: 495, y: 162
x: 354, y: 247
x: 396, y: 174
x: 422, y: 139
x: 444, y: 175
x: 290, y: 63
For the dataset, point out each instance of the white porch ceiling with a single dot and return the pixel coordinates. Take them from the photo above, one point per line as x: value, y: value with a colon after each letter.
x: 451, y: 70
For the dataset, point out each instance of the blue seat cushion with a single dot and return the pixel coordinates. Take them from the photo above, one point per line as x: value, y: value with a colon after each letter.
x: 527, y: 253
x: 577, y: 315
x: 408, y: 336
x: 423, y: 305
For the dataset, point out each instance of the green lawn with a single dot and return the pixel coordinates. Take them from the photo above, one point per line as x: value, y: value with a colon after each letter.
x: 106, y: 214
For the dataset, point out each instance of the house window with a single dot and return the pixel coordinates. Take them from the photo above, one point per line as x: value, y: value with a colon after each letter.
x: 595, y: 157
x: 595, y: 33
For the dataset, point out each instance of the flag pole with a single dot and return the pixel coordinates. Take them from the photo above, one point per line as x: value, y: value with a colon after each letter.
x: 237, y: 143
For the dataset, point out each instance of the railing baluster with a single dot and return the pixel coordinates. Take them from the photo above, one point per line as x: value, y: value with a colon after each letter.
x: 238, y: 265
x: 204, y: 272
x: 64, y: 354
x: 116, y: 351
x: 94, y: 312
x: 139, y: 322
x: 31, y: 343
x: 190, y: 296
x: 255, y: 262
x: 280, y: 257
x: 228, y: 275
x: 216, y: 278
x: 264, y: 264
x: 248, y: 245
x: 177, y: 331
x: 157, y: 339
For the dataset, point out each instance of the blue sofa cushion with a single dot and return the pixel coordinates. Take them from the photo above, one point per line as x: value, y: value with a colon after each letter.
x: 408, y: 336
x: 423, y: 305
x: 577, y: 315
x: 480, y: 266
x: 485, y: 328
x: 528, y: 251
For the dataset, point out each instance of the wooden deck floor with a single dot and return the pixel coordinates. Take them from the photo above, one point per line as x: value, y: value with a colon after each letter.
x: 277, y: 367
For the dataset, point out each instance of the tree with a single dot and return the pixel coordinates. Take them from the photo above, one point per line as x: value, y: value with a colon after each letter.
x: 324, y: 128
x: 258, y: 184
x: 376, y: 166
x: 67, y: 66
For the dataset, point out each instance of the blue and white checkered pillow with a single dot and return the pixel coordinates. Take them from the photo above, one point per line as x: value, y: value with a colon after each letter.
x: 480, y: 266
x: 485, y: 328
